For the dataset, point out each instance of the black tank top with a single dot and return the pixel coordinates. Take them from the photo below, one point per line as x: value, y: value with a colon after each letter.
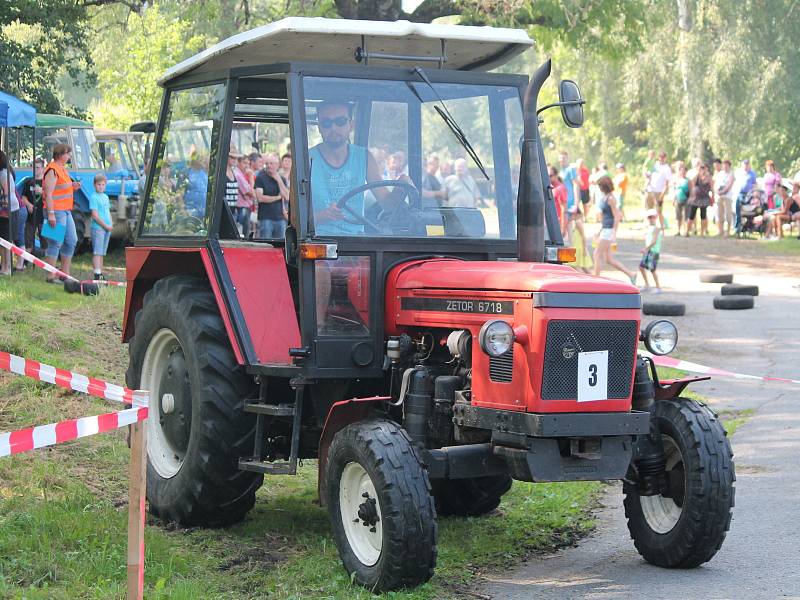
x: 608, y: 214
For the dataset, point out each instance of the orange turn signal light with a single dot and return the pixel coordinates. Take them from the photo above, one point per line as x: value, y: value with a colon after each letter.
x: 566, y: 255
x: 316, y: 251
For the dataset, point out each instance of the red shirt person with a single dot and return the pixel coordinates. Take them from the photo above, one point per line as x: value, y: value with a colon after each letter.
x: 583, y: 180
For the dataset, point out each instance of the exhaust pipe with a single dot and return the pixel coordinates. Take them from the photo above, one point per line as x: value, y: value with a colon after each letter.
x: 530, y: 198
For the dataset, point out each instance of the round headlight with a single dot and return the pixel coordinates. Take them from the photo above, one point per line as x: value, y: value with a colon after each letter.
x: 660, y: 337
x: 496, y: 338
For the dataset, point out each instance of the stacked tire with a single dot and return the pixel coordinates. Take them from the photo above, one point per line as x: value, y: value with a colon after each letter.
x: 733, y: 296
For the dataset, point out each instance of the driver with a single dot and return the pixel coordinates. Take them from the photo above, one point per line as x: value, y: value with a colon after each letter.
x: 337, y: 166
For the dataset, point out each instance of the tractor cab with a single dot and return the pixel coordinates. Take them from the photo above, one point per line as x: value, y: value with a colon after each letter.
x: 392, y: 302
x: 403, y: 146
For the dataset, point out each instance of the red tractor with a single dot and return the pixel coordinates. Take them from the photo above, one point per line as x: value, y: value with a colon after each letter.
x: 412, y: 326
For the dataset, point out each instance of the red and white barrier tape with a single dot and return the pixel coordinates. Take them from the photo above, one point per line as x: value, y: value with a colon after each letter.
x: 23, y: 440
x: 685, y: 365
x: 50, y: 268
x: 32, y: 259
x: 66, y: 379
x: 106, y: 282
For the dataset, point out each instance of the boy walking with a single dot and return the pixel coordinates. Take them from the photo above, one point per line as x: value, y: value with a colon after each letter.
x: 101, y: 224
x: 651, y: 251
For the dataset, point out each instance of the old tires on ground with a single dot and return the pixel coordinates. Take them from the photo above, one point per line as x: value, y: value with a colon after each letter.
x: 686, y: 525
x: 470, y: 497
x: 381, y: 509
x: 716, y: 277
x: 733, y: 302
x: 739, y: 289
x: 196, y: 430
x: 664, y: 308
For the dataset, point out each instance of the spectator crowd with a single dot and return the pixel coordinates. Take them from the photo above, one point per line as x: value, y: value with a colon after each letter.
x: 740, y: 202
x: 257, y: 192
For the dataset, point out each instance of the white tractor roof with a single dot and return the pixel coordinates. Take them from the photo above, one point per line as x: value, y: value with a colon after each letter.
x: 334, y: 41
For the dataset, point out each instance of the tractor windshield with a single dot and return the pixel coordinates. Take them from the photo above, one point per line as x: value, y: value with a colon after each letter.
x: 384, y: 161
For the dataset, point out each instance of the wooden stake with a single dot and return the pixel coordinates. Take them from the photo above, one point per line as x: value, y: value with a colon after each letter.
x: 137, y: 488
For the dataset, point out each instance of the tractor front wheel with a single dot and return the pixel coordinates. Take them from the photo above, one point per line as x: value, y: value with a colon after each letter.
x: 685, y: 525
x: 470, y: 497
x: 196, y: 428
x: 381, y: 510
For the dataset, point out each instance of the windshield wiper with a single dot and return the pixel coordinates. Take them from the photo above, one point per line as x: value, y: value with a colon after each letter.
x: 451, y: 122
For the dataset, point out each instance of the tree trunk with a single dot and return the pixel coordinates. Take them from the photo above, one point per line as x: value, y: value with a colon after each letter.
x: 380, y: 10
x: 689, y: 79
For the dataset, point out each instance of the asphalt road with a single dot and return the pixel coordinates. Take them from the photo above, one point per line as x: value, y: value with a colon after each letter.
x: 760, y: 557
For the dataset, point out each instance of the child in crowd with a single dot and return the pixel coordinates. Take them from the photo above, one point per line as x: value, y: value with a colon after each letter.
x: 102, y: 224
x: 651, y: 250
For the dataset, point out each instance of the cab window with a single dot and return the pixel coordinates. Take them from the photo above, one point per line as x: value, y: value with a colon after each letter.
x: 389, y: 158
x: 183, y: 178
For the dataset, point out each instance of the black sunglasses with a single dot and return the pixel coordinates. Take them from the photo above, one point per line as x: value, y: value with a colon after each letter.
x: 338, y: 121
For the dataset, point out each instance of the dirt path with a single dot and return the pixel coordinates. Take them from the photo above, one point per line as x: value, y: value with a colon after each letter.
x: 757, y: 559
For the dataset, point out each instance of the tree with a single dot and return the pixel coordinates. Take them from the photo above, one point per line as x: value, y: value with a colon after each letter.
x: 39, y: 39
x: 129, y: 66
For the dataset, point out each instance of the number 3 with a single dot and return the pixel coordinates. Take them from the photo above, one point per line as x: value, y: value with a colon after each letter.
x: 592, y: 375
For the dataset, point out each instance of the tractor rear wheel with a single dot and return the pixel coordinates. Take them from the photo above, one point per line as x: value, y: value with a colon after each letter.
x: 381, y: 510
x: 685, y: 526
x: 197, y: 430
x: 470, y: 497
x: 80, y: 230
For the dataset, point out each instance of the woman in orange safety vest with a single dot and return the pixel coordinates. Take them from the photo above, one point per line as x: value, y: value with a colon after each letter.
x: 57, y: 190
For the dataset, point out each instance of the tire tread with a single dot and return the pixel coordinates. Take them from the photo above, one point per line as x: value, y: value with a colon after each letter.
x: 710, y: 492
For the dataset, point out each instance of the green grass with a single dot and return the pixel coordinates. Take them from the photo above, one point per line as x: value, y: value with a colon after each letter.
x: 63, y: 510
x: 731, y: 419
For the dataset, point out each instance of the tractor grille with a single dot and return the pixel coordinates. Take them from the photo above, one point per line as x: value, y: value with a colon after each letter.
x: 501, y: 368
x: 566, y: 338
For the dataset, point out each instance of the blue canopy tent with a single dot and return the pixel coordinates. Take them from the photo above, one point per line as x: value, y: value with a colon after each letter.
x: 13, y: 113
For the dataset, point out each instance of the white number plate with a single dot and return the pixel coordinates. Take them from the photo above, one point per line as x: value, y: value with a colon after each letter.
x: 592, y: 376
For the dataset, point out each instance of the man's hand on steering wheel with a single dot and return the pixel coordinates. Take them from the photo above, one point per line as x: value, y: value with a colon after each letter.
x: 330, y: 214
x: 400, y: 189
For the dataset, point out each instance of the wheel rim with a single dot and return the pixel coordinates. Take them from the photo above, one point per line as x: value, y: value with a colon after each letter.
x: 361, y: 514
x: 164, y: 376
x: 660, y: 512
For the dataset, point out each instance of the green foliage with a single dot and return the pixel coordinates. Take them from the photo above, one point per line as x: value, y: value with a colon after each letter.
x: 39, y: 40
x: 607, y: 27
x: 130, y: 64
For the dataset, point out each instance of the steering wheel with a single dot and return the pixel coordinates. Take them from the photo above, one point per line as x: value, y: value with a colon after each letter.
x: 386, y: 218
x: 186, y: 224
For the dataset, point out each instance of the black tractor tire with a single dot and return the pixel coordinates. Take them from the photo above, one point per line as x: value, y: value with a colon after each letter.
x: 733, y: 302
x: 80, y: 231
x: 664, y: 308
x: 739, y: 289
x: 688, y: 530
x: 392, y: 544
x: 204, y: 486
x: 469, y: 497
x: 716, y: 277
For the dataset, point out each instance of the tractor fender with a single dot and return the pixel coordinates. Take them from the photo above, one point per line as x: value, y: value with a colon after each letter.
x: 341, y: 415
x: 668, y: 389
x: 80, y: 197
x: 243, y: 278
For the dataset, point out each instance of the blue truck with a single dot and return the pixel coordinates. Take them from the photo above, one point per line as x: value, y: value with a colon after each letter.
x: 116, y: 154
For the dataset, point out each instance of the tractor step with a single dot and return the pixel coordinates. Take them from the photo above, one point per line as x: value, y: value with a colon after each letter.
x: 272, y: 410
x: 264, y: 409
x: 268, y: 468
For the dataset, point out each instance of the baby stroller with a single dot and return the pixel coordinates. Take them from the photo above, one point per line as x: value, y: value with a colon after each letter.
x: 753, y: 213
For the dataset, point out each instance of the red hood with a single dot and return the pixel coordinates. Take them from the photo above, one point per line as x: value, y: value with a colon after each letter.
x: 500, y: 275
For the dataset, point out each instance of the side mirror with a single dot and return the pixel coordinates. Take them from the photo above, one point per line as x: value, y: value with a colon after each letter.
x: 571, y: 103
